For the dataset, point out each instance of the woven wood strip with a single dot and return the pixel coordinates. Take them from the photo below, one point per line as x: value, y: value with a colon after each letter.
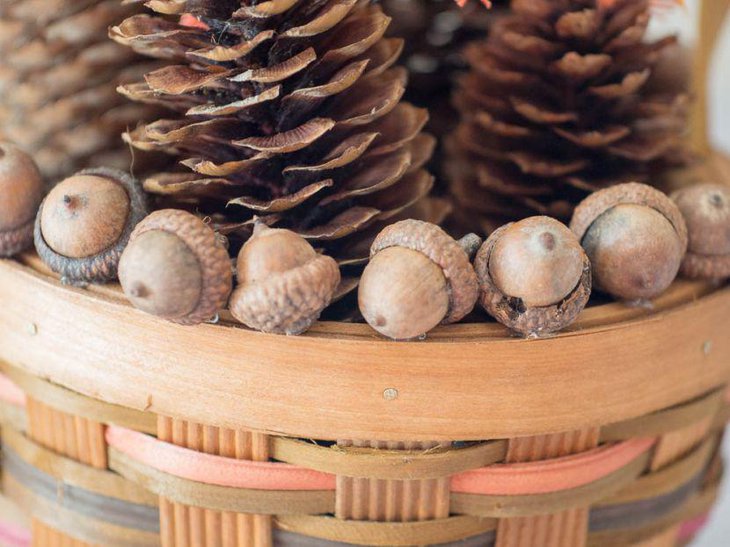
x: 45, y: 536
x: 75, y: 525
x: 672, y: 446
x: 78, y: 438
x: 565, y: 529
x: 185, y: 525
x: 71, y: 472
x: 77, y: 404
x: 668, y: 538
x: 392, y: 500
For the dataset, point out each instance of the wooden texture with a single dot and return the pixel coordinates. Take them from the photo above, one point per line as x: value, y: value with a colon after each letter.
x: 257, y: 379
x: 564, y: 529
x: 190, y: 526
x: 392, y: 500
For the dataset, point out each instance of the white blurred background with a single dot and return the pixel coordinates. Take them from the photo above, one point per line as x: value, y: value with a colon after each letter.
x: 684, y: 20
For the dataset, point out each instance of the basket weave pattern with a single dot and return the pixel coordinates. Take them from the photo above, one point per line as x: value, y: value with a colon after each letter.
x: 93, y: 472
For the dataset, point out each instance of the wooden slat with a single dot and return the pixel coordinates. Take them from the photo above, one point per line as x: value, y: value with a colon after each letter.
x: 673, y: 446
x: 71, y: 436
x: 383, y: 500
x: 186, y: 526
x: 565, y: 529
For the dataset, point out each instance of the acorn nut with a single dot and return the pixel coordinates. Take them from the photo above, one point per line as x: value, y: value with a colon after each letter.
x: 706, y: 210
x: 85, y: 222
x: 418, y: 277
x: 21, y: 192
x: 283, y: 283
x: 635, y: 237
x: 176, y: 267
x: 534, y: 276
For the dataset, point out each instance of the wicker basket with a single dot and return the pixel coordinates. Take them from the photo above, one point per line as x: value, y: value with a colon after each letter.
x: 119, y: 429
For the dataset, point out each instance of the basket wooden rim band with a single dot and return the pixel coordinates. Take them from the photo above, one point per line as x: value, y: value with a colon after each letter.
x: 638, y: 350
x: 520, y: 479
x: 353, y: 461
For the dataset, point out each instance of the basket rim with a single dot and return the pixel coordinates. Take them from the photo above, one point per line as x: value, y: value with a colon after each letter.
x: 469, y: 386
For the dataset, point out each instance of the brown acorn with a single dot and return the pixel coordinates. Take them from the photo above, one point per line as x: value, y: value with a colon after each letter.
x: 21, y: 192
x: 635, y: 237
x: 283, y: 283
x: 706, y: 210
x: 176, y: 267
x: 85, y: 222
x: 534, y: 276
x: 418, y: 277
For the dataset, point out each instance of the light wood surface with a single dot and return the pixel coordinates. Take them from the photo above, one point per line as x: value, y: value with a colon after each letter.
x: 465, y: 382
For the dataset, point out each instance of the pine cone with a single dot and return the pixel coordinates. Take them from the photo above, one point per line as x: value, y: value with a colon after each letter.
x: 556, y: 105
x: 57, y: 83
x: 287, y: 110
x: 435, y: 34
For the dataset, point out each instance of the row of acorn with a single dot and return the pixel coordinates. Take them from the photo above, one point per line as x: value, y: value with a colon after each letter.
x: 534, y: 276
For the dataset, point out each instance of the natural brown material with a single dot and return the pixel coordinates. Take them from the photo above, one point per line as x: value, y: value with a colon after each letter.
x: 176, y: 267
x: 556, y: 105
x: 418, y: 277
x: 21, y: 192
x: 706, y: 210
x: 635, y: 237
x: 283, y: 283
x: 534, y: 276
x: 288, y: 111
x: 85, y: 222
x: 58, y: 74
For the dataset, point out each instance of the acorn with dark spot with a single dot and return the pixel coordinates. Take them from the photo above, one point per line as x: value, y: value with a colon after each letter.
x: 534, y: 276
x: 706, y: 210
x: 85, y: 222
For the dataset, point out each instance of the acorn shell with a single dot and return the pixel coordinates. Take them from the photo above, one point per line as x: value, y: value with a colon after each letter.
x: 18, y: 236
x: 287, y: 302
x: 632, y: 193
x: 708, y: 255
x: 440, y: 248
x: 103, y: 266
x: 512, y: 313
x: 215, y: 265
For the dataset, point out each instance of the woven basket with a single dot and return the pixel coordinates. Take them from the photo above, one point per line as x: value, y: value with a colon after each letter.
x: 120, y: 429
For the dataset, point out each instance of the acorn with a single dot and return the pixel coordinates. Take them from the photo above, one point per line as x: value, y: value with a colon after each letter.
x: 176, y: 267
x: 283, y: 283
x: 21, y: 192
x: 635, y: 238
x: 85, y: 222
x: 706, y: 210
x: 534, y: 276
x: 418, y: 277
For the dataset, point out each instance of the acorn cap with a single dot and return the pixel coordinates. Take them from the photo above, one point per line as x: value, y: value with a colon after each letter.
x: 101, y: 267
x: 631, y: 193
x: 512, y: 312
x: 706, y: 210
x: 431, y: 241
x: 22, y: 190
x: 288, y: 301
x: 216, y: 273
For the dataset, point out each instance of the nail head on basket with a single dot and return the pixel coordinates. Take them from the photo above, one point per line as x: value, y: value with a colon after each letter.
x: 534, y: 276
x: 21, y: 192
x: 85, y: 222
x: 706, y: 210
x: 176, y: 267
x: 635, y: 238
x: 418, y: 277
x: 283, y: 283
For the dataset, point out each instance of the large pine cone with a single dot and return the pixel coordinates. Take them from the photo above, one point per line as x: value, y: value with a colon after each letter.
x: 286, y: 110
x: 556, y: 105
x: 58, y: 73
